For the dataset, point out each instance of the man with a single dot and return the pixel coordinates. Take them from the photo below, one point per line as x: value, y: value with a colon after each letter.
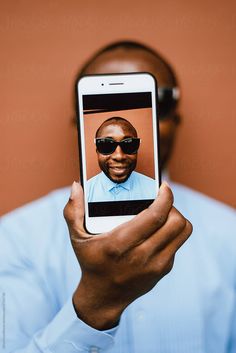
x: 191, y: 310
x: 118, y: 180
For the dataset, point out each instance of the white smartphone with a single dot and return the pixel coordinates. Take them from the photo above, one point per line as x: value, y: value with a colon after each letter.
x: 118, y: 146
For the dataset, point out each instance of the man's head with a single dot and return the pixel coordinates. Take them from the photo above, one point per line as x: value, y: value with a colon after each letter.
x: 126, y: 56
x: 117, y: 145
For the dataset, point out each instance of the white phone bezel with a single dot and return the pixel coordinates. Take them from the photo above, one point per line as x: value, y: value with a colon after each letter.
x: 107, y: 84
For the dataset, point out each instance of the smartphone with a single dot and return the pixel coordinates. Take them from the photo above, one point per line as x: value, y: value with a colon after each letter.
x: 118, y: 147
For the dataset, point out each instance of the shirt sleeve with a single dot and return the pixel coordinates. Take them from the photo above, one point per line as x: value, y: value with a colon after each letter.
x: 232, y: 339
x: 36, y: 311
x: 67, y: 333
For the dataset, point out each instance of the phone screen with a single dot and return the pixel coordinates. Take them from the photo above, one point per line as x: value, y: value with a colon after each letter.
x: 121, y: 176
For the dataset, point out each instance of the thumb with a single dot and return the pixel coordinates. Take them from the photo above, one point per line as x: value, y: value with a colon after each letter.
x: 74, y: 209
x: 165, y: 197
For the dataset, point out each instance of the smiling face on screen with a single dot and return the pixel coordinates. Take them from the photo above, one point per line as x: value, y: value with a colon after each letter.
x: 117, y: 165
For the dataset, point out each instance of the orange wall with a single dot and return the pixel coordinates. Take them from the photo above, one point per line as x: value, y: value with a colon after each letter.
x: 43, y: 44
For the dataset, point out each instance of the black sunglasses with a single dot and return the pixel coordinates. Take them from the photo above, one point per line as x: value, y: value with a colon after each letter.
x: 106, y: 145
x: 167, y: 100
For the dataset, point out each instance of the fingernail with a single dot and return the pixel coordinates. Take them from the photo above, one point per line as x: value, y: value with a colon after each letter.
x: 166, y: 183
x: 163, y: 185
x: 73, y: 190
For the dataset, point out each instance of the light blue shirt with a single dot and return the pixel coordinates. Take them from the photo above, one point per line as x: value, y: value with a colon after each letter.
x: 136, y: 187
x: 191, y: 310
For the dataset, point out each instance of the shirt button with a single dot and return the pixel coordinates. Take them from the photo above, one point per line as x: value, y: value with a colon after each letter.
x: 94, y: 349
x: 117, y: 189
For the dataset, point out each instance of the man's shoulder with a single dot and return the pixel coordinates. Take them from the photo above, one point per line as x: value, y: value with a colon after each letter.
x: 188, y: 198
x: 41, y: 220
x: 214, y: 223
x: 54, y: 200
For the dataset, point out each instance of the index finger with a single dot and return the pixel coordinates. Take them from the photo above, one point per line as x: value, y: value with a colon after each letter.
x: 74, y: 211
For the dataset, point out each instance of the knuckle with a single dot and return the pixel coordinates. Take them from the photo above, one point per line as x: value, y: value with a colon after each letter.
x: 181, y: 223
x: 65, y: 212
x: 165, y: 264
x: 169, y: 266
x: 71, y: 218
x: 159, y: 218
x: 189, y: 228
x: 69, y: 211
x: 113, y: 251
x: 178, y: 221
x: 137, y: 259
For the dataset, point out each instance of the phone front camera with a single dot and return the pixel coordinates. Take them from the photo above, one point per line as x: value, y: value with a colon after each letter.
x: 102, y: 84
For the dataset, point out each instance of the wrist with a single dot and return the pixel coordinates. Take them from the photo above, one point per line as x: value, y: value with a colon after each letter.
x: 95, y: 312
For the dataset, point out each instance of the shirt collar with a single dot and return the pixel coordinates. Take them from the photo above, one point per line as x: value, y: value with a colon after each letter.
x: 108, y: 184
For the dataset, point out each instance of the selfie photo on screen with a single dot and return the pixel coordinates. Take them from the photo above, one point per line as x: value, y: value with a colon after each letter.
x: 119, y: 151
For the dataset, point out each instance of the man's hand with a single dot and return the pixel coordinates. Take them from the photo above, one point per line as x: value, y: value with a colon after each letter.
x: 125, y: 263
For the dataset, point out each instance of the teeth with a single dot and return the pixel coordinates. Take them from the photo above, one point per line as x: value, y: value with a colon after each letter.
x: 119, y: 167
